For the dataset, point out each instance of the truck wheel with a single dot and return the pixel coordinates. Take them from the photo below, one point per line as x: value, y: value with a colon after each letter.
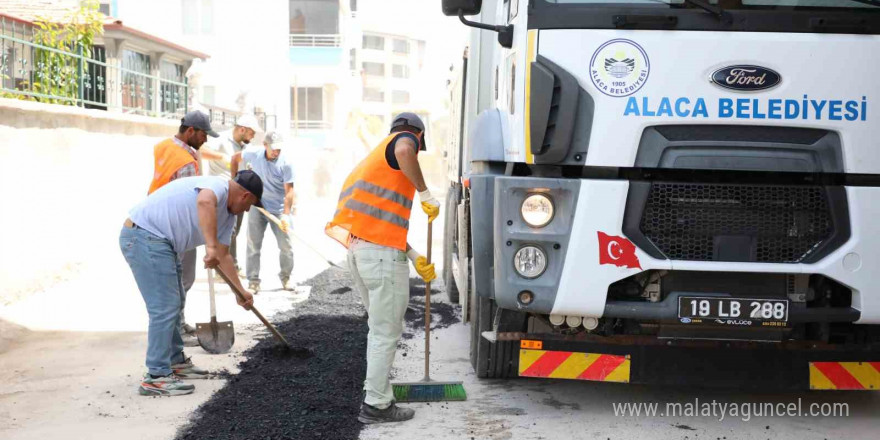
x: 498, y: 360
x: 449, y: 243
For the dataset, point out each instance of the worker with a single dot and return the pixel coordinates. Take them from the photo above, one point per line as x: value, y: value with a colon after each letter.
x: 372, y: 220
x: 173, y: 159
x: 277, y: 174
x: 219, y: 155
x: 180, y: 216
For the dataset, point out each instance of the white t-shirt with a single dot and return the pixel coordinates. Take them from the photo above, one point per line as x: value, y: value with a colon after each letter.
x: 171, y: 212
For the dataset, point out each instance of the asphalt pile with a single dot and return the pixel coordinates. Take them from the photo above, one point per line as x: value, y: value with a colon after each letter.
x: 313, y: 391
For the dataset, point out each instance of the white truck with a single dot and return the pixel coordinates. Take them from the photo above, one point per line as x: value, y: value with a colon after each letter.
x: 669, y: 191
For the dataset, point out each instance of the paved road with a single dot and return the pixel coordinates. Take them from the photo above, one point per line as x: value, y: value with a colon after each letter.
x: 563, y: 409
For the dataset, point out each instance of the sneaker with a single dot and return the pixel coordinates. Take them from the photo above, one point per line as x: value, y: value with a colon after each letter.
x: 254, y: 286
x: 186, y: 370
x: 370, y: 414
x: 170, y: 385
x: 287, y: 285
x: 189, y: 340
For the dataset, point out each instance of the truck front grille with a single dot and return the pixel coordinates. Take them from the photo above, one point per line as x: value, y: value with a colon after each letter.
x: 732, y: 222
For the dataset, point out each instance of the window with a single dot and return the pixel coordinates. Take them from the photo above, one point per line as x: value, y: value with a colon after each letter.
x: 104, y: 8
x: 374, y: 42
x: 401, y: 46
x: 399, y: 97
x: 137, y: 88
x: 372, y: 94
x: 198, y: 17
x: 173, y: 96
x: 316, y: 17
x: 375, y: 69
x: 352, y: 61
x: 400, y: 71
x: 307, y: 104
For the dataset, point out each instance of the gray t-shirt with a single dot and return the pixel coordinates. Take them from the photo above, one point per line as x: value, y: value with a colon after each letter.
x: 273, y: 173
x: 171, y: 213
x: 226, y: 145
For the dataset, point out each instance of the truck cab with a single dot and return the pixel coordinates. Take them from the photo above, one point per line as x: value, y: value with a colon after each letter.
x: 668, y: 191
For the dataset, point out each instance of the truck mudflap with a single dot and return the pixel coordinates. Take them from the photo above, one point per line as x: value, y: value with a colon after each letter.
x: 715, y: 364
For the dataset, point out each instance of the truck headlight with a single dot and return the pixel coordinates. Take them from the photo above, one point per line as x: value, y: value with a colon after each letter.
x: 530, y: 261
x: 537, y: 210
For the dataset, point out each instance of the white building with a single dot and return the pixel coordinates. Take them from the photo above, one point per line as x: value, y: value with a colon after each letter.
x: 247, y: 41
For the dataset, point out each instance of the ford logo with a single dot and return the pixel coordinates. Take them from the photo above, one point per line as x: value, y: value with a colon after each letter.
x: 685, y: 320
x: 746, y: 78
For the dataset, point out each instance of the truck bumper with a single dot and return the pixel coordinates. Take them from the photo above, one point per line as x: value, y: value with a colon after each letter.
x: 713, y: 364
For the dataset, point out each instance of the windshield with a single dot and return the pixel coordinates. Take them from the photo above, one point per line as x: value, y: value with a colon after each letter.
x: 738, y: 4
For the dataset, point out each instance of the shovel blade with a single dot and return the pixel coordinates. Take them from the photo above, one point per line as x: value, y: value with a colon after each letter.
x: 215, y: 337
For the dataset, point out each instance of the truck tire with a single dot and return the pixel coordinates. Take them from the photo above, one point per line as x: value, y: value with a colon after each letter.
x: 450, y: 232
x: 497, y: 360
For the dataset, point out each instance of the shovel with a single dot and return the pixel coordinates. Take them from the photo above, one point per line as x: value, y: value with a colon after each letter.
x: 265, y: 322
x: 215, y: 337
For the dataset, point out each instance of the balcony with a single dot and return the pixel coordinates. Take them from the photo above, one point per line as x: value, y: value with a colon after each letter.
x: 315, y: 40
x: 309, y: 125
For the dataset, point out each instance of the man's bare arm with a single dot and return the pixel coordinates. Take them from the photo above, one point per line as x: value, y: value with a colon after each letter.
x: 234, y: 163
x: 206, y: 204
x: 289, y: 198
x: 407, y: 159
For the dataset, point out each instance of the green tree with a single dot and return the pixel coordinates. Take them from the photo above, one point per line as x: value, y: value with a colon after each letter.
x: 58, y: 74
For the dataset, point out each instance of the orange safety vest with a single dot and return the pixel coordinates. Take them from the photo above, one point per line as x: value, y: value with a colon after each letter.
x: 375, y: 203
x: 168, y: 158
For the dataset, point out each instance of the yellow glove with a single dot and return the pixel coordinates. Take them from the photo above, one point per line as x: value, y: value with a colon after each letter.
x: 430, y: 205
x: 425, y: 270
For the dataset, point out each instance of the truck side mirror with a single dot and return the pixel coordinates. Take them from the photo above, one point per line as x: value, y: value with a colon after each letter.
x: 454, y: 8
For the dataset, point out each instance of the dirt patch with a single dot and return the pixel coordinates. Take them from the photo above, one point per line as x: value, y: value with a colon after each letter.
x: 283, y: 394
x: 442, y: 314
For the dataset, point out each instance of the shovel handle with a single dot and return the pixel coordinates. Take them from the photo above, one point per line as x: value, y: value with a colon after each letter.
x: 253, y: 309
x: 211, y: 294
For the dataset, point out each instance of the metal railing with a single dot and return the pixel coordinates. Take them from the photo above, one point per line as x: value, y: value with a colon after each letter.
x: 36, y: 72
x: 309, y: 125
x: 315, y: 40
x: 222, y: 118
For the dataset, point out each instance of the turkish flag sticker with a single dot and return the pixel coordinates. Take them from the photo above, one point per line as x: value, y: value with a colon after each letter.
x: 617, y: 251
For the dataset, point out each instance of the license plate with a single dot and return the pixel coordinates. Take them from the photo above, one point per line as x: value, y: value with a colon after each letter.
x: 732, y: 311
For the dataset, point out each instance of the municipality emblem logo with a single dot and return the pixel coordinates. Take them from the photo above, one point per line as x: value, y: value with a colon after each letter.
x: 619, y: 67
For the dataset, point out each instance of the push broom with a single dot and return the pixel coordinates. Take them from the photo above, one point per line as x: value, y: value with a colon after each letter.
x: 428, y: 390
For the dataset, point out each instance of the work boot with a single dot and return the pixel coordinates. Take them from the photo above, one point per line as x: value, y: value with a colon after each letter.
x: 371, y: 414
x: 186, y: 370
x: 189, y: 340
x: 254, y: 286
x: 170, y: 385
x: 287, y: 285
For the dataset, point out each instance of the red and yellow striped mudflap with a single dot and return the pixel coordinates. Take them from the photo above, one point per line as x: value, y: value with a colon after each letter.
x: 572, y: 365
x: 845, y: 375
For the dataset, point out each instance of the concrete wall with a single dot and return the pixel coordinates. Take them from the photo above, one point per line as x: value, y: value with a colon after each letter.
x: 68, y: 175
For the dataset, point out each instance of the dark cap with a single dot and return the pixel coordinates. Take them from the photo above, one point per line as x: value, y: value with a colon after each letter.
x: 250, y: 181
x: 411, y: 120
x: 199, y: 120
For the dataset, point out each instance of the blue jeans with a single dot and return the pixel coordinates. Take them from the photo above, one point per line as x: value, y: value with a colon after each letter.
x: 256, y: 230
x: 157, y: 271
